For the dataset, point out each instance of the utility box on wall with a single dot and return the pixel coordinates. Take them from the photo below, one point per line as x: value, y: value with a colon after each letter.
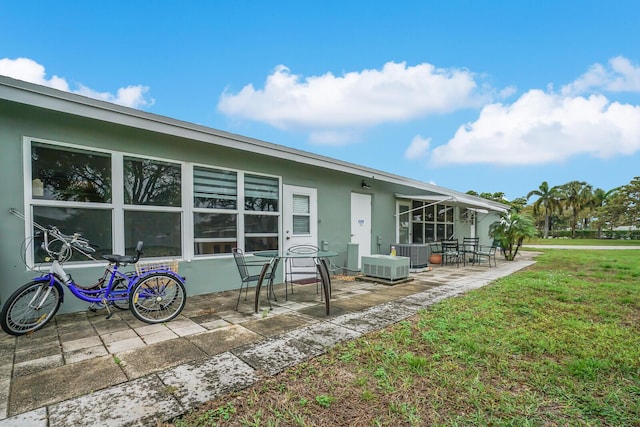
x: 386, y: 266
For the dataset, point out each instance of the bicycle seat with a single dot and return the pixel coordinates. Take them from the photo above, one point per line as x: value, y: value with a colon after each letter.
x: 125, y: 259
x: 120, y: 259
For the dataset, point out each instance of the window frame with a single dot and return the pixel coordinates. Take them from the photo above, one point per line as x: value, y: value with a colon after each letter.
x: 429, y: 216
x: 118, y: 207
x: 240, y: 210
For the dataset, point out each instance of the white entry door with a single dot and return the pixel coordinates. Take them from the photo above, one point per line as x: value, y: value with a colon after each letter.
x: 300, y: 213
x: 361, y: 223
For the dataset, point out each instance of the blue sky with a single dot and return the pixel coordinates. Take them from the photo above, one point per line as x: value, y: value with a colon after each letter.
x: 470, y: 95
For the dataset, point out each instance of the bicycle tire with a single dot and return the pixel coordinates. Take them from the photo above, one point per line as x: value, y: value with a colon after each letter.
x: 157, y: 298
x: 18, y: 318
x: 121, y: 304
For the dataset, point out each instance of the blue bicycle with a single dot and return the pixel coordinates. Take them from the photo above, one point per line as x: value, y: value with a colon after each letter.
x: 153, y: 296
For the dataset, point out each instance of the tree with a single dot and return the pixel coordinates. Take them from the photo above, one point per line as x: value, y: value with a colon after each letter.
x: 631, y: 195
x: 548, y: 199
x: 510, y: 231
x: 612, y: 213
x: 599, y: 200
x: 575, y: 197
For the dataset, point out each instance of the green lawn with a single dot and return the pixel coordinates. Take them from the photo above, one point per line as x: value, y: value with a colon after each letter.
x: 577, y: 242
x: 557, y: 344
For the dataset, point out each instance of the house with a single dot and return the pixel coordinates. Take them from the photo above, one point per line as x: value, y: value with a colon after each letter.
x: 118, y: 175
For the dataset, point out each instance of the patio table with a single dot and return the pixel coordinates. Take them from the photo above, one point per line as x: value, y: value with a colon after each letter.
x: 276, y: 256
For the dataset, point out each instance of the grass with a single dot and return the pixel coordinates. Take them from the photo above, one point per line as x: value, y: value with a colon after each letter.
x: 555, y: 345
x: 579, y: 242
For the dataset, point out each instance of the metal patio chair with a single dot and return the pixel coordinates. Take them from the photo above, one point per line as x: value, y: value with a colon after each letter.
x: 488, y: 252
x: 301, y: 265
x: 246, y: 277
x: 469, y: 248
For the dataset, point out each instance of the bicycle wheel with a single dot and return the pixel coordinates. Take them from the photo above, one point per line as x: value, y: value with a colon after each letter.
x: 157, y: 298
x: 121, y: 304
x: 30, y: 308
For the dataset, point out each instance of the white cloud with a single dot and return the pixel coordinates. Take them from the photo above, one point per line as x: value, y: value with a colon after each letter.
x: 339, y: 107
x: 620, y: 76
x: 542, y: 127
x: 418, y: 148
x: 29, y: 70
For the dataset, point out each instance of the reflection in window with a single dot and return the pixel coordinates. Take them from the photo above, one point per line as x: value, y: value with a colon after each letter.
x: 160, y: 232
x: 214, y: 233
x: 261, y: 232
x: 260, y: 193
x: 69, y: 174
x: 214, y: 188
x: 266, y: 243
x: 92, y: 224
x: 261, y: 224
x: 431, y: 223
x: 150, y: 182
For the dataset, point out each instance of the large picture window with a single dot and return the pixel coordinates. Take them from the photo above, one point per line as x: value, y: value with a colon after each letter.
x: 70, y: 175
x: 154, y: 184
x: 93, y: 224
x: 431, y: 223
x: 150, y: 182
x: 72, y: 190
x: 261, y: 204
x: 115, y: 200
x: 160, y: 232
x: 215, y: 217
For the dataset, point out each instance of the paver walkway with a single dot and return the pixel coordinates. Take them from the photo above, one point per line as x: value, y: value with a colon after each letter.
x: 85, y: 370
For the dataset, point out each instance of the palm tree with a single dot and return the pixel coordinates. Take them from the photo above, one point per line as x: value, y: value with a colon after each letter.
x: 575, y: 196
x: 548, y: 199
x: 598, y: 201
x: 510, y: 231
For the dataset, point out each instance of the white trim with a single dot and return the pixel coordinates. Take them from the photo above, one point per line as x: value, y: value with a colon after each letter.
x: 26, y: 209
x: 188, y: 239
x: 117, y: 199
x: 466, y: 202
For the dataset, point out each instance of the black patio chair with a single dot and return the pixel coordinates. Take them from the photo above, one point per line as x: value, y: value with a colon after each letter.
x: 325, y: 278
x: 469, y: 248
x: 451, y: 252
x: 246, y: 277
x: 488, y: 252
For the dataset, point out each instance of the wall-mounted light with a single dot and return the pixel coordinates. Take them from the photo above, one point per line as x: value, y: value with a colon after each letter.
x: 365, y: 185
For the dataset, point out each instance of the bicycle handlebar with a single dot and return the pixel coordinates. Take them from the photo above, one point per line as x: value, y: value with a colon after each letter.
x: 74, y: 241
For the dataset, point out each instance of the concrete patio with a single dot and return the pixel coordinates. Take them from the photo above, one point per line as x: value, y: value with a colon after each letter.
x: 84, y: 369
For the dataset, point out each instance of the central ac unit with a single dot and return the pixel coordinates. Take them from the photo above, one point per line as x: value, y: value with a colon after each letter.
x: 386, y: 266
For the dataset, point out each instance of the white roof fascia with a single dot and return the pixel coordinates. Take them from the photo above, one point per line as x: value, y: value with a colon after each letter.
x: 475, y: 203
x: 65, y: 102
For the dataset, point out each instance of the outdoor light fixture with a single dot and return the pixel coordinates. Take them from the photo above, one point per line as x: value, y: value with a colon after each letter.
x: 365, y: 185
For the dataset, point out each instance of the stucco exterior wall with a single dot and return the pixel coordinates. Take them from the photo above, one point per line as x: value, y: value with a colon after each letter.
x: 203, y: 275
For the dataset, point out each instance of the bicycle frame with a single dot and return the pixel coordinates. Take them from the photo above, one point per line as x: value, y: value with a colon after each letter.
x: 98, y: 294
x: 104, y: 290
